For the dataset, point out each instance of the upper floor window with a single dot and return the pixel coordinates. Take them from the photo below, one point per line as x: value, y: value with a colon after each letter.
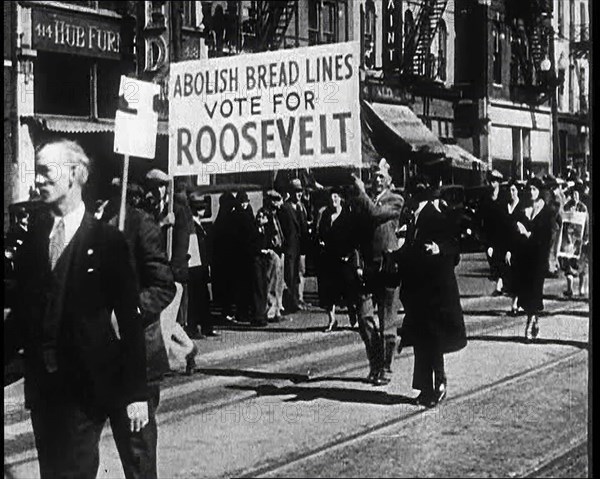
x: 497, y: 59
x: 442, y: 50
x: 561, y: 18
x: 572, y: 20
x: 188, y: 14
x: 327, y: 21
x: 583, y: 21
x: 369, y: 34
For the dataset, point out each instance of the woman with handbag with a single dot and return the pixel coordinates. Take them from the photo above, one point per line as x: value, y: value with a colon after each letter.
x: 338, y: 259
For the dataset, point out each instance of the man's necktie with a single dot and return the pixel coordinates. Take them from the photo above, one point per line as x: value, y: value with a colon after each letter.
x: 57, y: 243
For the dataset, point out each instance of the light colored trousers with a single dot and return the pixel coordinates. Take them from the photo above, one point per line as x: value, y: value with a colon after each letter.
x: 275, y: 285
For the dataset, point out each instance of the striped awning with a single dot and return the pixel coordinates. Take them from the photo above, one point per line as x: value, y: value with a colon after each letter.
x: 78, y: 124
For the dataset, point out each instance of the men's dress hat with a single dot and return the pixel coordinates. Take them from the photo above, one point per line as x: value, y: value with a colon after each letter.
x: 274, y: 195
x: 156, y: 176
x: 496, y: 175
x: 242, y: 197
x: 296, y: 185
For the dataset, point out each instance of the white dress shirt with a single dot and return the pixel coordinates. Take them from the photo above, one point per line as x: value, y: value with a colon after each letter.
x: 72, y: 222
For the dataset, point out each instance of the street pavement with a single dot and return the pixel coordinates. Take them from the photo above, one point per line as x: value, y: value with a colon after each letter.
x: 290, y: 401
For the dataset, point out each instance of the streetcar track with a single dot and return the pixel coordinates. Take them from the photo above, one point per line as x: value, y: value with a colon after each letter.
x: 389, y: 424
x: 554, y: 458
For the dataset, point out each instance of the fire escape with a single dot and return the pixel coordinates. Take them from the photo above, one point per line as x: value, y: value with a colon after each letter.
x: 272, y: 21
x: 418, y: 40
x: 531, y: 31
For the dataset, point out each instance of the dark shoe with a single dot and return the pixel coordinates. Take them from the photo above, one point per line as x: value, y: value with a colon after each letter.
x: 425, y: 399
x: 382, y: 379
x: 568, y: 293
x: 497, y: 293
x: 513, y: 312
x: 276, y: 319
x: 535, y: 330
x: 190, y: 361
x: 212, y: 334
x: 371, y: 376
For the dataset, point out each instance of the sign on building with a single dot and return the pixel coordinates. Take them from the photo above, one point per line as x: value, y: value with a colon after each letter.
x: 293, y: 108
x: 392, y: 34
x: 136, y: 122
x: 76, y: 33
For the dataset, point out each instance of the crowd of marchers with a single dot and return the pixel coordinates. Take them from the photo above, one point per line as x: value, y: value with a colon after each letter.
x: 102, y: 294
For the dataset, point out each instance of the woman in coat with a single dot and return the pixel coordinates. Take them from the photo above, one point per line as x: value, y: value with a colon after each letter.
x: 530, y: 255
x: 433, y: 323
x: 512, y: 212
x: 338, y: 261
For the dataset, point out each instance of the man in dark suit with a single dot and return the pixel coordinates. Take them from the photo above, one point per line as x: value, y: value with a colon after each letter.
x: 294, y: 225
x: 72, y: 273
x: 433, y: 323
x: 156, y: 291
x: 379, y: 216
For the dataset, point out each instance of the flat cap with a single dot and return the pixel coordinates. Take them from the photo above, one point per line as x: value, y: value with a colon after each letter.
x: 242, y: 197
x: 156, y: 176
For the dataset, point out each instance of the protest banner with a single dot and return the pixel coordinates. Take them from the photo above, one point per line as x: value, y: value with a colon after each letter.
x: 570, y: 241
x: 292, y: 108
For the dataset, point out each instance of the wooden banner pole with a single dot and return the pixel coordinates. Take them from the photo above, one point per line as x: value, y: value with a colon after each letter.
x: 123, y: 193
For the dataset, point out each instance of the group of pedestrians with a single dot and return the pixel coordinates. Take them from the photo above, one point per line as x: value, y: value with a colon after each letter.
x: 522, y: 234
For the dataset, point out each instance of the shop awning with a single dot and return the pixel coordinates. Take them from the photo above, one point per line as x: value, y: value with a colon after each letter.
x: 402, y: 122
x: 461, y: 158
x: 77, y: 124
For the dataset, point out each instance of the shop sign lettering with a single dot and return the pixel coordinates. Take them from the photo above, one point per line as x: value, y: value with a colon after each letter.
x: 76, y: 34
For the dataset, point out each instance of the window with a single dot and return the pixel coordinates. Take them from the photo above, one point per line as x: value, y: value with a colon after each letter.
x: 442, y: 50
x: 583, y: 21
x: 313, y: 22
x: 369, y: 35
x: 189, y: 14
x: 409, y: 26
x: 582, y: 95
x: 327, y: 21
x: 561, y: 18
x: 109, y: 78
x: 497, y: 60
x: 329, y: 24
x: 62, y: 84
x: 572, y: 20
x: 572, y: 88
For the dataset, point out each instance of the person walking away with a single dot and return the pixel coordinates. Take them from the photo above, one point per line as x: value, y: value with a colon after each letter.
x: 156, y: 291
x: 490, y: 216
x: 531, y: 255
x: 577, y: 266
x: 433, y: 322
x: 292, y: 218
x: 200, y: 323
x: 275, y: 280
x: 223, y: 260
x: 338, y: 259
x: 512, y: 213
x: 378, y: 219
x: 72, y: 273
x: 244, y: 236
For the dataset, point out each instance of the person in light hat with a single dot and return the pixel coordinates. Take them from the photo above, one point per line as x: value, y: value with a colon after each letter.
x: 379, y: 215
x: 490, y: 213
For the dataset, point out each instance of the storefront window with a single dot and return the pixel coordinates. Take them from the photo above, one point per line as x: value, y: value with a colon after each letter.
x: 109, y: 78
x: 313, y: 22
x: 62, y: 84
x: 329, y: 22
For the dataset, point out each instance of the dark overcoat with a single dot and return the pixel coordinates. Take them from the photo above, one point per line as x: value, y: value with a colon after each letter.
x: 95, y: 368
x: 429, y: 290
